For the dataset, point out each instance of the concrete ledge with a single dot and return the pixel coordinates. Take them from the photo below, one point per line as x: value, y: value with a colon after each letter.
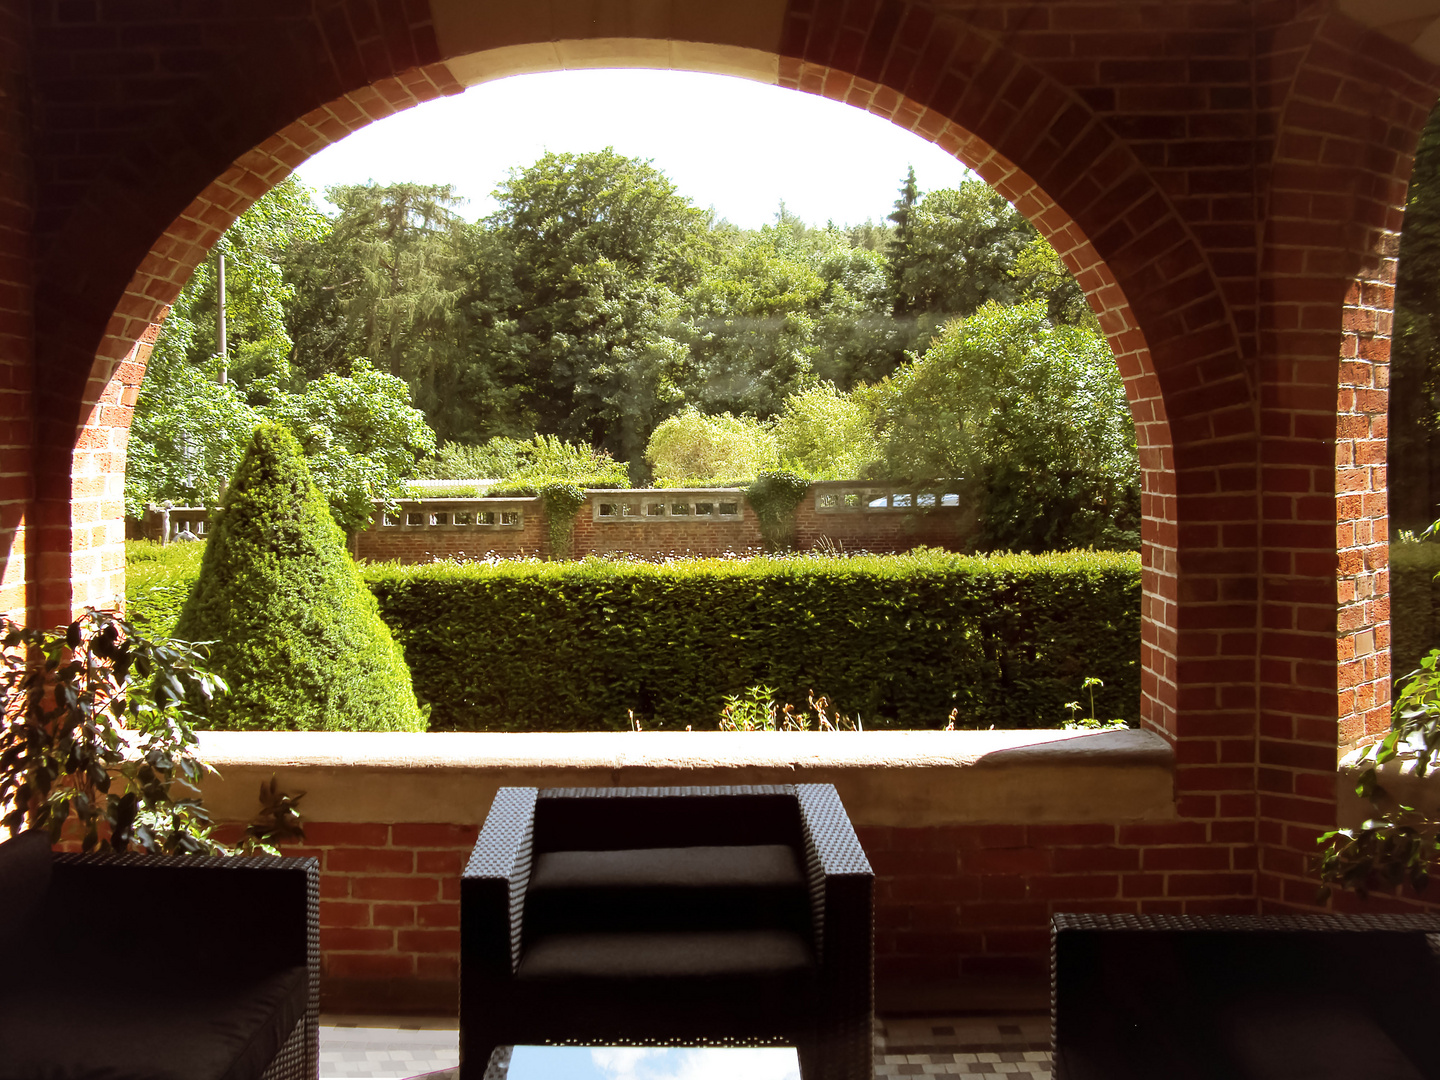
x: 1399, y: 780
x: 895, y: 778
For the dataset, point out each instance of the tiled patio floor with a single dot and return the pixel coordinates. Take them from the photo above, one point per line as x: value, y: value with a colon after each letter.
x: 395, y: 1047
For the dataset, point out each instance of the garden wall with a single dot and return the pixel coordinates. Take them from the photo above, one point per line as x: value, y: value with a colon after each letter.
x: 663, y: 522
x: 976, y: 839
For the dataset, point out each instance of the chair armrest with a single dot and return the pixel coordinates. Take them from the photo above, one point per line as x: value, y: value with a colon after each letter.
x: 842, y: 884
x: 245, y: 914
x: 492, y: 886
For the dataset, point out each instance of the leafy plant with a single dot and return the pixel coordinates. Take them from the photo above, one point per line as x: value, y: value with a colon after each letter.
x: 774, y: 496
x: 98, y: 726
x: 1393, y: 846
x: 691, y: 447
x: 562, y: 500
x: 753, y: 709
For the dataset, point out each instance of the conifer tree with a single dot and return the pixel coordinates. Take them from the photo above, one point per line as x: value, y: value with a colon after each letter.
x: 295, y: 632
x: 899, y: 247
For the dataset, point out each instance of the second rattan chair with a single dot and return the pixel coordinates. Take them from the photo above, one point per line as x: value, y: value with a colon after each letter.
x: 669, y: 916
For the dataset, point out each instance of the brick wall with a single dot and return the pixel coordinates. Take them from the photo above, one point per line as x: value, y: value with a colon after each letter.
x: 952, y: 903
x: 1224, y: 177
x: 882, y: 531
x: 16, y: 314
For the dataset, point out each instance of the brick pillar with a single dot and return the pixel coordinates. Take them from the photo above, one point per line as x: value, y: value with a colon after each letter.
x: 1348, y: 106
x: 17, y: 325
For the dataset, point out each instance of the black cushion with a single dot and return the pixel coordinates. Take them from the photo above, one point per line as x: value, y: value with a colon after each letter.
x: 64, y: 1025
x: 665, y: 955
x: 25, y: 868
x: 1307, y: 1036
x: 746, y: 887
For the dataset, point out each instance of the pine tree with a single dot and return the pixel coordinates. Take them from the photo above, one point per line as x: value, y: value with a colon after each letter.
x: 899, y: 247
x: 295, y: 632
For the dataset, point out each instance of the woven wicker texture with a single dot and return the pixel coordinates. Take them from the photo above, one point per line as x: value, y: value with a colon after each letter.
x: 299, y: 1056
x: 831, y: 1022
x: 1133, y: 994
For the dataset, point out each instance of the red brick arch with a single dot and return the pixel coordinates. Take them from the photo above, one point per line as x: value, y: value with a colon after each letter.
x: 1049, y: 125
x: 1225, y: 177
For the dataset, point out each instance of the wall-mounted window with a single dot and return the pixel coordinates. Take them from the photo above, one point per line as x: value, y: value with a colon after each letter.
x: 414, y: 517
x: 439, y: 517
x: 388, y: 519
x: 694, y: 510
x: 463, y: 517
x: 842, y: 501
x: 510, y: 517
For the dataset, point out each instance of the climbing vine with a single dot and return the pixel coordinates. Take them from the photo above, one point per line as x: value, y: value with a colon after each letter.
x: 562, y: 500
x: 774, y: 496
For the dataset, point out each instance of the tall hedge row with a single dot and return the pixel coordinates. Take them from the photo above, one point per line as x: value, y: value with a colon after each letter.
x: 899, y: 641
x: 1414, y: 604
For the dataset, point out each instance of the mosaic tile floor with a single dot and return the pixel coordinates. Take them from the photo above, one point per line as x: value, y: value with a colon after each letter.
x: 401, y: 1047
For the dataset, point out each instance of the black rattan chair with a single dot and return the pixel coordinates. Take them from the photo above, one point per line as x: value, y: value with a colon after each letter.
x: 669, y: 916
x: 1134, y: 997
x: 143, y: 967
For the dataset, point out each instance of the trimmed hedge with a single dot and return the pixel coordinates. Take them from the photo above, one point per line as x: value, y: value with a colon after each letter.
x: 158, y: 581
x: 1414, y: 605
x: 900, y: 640
x: 293, y: 630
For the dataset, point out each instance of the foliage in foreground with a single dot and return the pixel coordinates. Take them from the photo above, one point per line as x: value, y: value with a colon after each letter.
x: 893, y: 641
x: 99, y: 728
x: 1397, y: 845
x: 294, y: 628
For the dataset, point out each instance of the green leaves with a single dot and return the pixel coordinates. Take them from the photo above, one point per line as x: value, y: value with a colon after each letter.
x: 774, y: 496
x: 1396, y: 846
x: 117, y: 749
x: 899, y: 640
x: 1030, y: 419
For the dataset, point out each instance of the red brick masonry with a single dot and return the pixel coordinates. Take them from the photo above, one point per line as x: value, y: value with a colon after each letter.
x: 661, y: 522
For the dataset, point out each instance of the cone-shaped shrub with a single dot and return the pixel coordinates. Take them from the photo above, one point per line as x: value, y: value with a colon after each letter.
x: 296, y: 633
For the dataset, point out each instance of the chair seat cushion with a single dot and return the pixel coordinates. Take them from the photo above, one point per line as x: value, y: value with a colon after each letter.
x: 666, y: 955
x: 744, y: 887
x: 1300, y: 1036
x: 60, y: 1027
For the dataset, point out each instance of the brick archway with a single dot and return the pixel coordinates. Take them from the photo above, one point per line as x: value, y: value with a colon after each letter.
x: 1116, y: 198
x: 1225, y: 178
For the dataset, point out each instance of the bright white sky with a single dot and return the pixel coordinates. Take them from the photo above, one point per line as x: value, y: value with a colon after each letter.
x: 730, y: 143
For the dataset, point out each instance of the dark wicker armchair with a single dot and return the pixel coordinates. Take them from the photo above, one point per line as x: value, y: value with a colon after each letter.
x: 669, y: 916
x: 140, y: 967
x: 1245, y: 997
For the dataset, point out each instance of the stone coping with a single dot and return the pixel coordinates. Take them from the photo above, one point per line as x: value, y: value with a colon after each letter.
x: 905, y: 778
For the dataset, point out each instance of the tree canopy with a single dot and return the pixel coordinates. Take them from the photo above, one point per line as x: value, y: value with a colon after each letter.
x: 600, y: 308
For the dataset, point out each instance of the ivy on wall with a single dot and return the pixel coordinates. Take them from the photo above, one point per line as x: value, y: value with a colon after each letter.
x: 562, y: 501
x: 775, y: 496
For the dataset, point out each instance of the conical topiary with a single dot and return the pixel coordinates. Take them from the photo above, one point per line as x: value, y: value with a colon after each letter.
x: 295, y: 632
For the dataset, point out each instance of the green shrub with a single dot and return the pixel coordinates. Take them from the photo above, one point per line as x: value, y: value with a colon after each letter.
x: 691, y: 447
x: 1414, y: 605
x: 294, y: 631
x: 158, y: 580
x: 897, y: 641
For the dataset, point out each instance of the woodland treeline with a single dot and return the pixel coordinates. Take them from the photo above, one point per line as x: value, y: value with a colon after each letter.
x: 597, y: 304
